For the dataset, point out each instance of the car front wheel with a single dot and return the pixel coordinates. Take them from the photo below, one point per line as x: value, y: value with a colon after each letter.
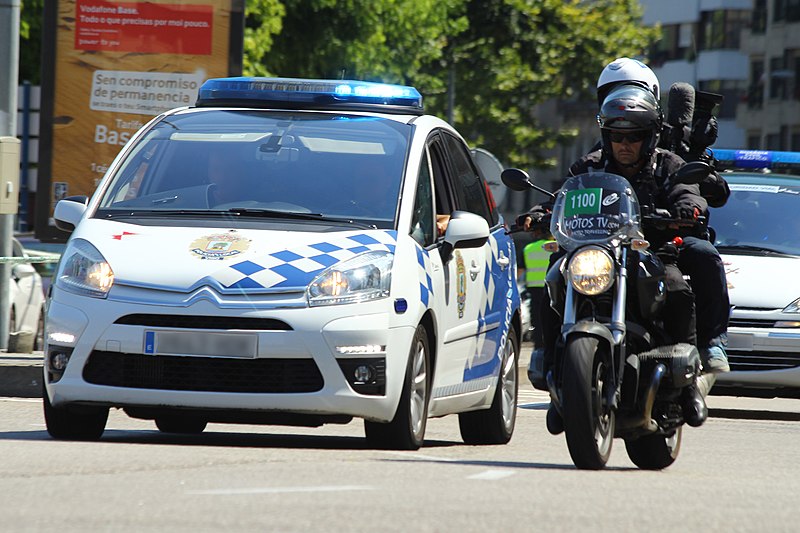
x: 406, y: 431
x: 79, y: 423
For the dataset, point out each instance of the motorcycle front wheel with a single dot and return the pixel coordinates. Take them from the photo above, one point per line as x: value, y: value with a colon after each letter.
x: 588, y: 421
x: 655, y: 452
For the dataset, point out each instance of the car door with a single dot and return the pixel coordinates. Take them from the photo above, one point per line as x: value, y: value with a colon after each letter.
x: 460, y: 307
x: 492, y: 295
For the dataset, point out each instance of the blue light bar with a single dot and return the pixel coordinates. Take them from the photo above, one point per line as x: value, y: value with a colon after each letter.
x: 757, y: 159
x: 294, y: 93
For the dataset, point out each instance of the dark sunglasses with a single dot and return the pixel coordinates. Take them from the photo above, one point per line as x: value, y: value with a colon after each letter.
x: 631, y: 136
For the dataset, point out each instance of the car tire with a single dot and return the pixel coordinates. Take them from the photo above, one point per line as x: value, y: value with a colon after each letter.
x: 80, y: 423
x: 180, y: 424
x: 496, y: 424
x: 406, y: 431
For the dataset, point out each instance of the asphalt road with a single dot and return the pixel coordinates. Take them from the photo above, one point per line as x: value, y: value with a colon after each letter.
x: 736, y: 473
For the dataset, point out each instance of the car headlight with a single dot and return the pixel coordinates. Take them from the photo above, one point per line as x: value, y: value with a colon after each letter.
x: 364, y: 277
x: 793, y: 307
x: 84, y: 270
x: 591, y: 271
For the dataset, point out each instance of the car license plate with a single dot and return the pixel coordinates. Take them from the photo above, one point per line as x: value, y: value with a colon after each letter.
x: 242, y: 345
x: 740, y: 341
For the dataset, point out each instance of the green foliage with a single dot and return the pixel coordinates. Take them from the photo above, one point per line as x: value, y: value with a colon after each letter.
x: 504, y: 56
x: 30, y: 41
x: 263, y: 20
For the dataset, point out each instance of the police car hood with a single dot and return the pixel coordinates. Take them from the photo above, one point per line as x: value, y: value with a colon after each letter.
x: 184, y: 259
x: 762, y: 281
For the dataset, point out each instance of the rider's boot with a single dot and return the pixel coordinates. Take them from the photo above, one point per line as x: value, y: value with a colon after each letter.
x: 695, y: 411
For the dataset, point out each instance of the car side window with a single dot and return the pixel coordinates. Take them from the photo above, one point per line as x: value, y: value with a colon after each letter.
x: 469, y: 188
x: 445, y: 203
x: 423, y: 227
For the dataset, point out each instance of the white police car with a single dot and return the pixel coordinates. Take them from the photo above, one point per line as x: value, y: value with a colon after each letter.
x: 271, y: 256
x: 758, y: 236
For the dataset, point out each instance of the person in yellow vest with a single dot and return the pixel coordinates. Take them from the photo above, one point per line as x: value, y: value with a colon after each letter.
x: 536, y: 262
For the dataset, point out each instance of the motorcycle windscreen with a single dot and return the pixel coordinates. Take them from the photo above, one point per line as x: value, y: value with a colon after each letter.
x: 595, y: 208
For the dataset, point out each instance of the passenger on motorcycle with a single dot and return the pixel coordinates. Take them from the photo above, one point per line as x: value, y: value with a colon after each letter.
x: 699, y: 259
x: 630, y: 121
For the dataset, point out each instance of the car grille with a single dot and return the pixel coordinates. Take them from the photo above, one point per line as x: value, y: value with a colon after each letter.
x: 751, y: 323
x: 747, y: 361
x: 203, y: 322
x: 208, y: 374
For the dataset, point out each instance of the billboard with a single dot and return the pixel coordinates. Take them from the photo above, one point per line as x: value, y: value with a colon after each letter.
x: 108, y: 68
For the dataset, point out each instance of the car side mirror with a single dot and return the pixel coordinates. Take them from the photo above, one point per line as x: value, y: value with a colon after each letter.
x: 69, y: 211
x: 464, y: 230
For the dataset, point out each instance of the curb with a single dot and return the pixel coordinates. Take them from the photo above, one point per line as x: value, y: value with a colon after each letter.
x: 21, y: 375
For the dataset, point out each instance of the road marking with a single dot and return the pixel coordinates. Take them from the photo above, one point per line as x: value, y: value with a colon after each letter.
x: 491, y: 475
x: 420, y: 456
x: 277, y: 490
x: 29, y: 400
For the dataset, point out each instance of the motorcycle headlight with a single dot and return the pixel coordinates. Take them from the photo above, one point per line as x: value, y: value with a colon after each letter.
x: 84, y: 270
x: 364, y: 277
x: 591, y: 271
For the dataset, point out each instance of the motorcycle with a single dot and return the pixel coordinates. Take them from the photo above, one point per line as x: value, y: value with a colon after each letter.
x: 616, y: 372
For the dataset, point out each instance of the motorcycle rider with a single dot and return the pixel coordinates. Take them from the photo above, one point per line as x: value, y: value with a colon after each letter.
x: 630, y: 121
x: 699, y: 259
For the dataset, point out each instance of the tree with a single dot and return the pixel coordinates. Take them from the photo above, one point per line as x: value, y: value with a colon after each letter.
x: 30, y: 41
x: 505, y: 56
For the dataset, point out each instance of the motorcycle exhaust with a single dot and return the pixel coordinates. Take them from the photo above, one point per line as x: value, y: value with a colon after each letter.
x: 645, y: 419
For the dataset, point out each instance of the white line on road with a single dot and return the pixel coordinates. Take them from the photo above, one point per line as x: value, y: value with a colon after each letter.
x: 491, y: 475
x: 277, y: 490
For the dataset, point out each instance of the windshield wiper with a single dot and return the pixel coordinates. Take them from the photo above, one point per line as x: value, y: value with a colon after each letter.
x: 272, y: 213
x: 750, y: 248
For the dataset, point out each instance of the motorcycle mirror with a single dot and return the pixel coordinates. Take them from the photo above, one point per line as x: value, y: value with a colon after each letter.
x: 518, y: 180
x: 692, y: 173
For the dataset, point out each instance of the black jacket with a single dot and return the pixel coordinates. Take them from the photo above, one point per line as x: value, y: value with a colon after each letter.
x: 648, y: 185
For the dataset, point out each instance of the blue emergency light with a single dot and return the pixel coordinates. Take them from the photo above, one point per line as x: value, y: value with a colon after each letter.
x: 295, y: 93
x: 758, y: 160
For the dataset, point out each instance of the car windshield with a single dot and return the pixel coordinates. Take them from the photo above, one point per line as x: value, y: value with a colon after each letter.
x: 263, y: 163
x: 595, y: 208
x: 759, y: 217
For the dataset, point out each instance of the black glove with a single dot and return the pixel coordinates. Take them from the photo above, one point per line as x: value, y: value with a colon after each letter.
x: 668, y: 253
x: 704, y: 133
x: 685, y: 211
x: 539, y: 214
x: 715, y: 190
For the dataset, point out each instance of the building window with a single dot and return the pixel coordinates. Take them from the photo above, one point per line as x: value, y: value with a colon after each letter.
x: 677, y: 42
x: 722, y: 29
x: 758, y: 21
x: 779, y: 78
x: 786, y: 10
x: 753, y: 140
x: 794, y: 141
x: 733, y: 91
x: 755, y: 91
x: 773, y: 141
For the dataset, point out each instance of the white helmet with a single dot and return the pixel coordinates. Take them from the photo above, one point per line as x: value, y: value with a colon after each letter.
x: 626, y: 70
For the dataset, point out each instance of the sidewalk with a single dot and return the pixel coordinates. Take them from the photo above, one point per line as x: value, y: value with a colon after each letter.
x: 21, y: 375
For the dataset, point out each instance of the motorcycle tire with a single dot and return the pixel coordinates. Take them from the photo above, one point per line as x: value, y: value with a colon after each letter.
x: 655, y: 452
x: 588, y: 422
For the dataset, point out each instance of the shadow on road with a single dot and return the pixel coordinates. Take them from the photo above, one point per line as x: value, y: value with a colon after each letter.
x: 225, y: 439
x: 751, y: 414
x: 505, y: 464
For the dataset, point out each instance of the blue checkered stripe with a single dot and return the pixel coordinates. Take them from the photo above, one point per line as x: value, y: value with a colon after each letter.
x: 424, y: 275
x: 484, y: 363
x: 298, y: 266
